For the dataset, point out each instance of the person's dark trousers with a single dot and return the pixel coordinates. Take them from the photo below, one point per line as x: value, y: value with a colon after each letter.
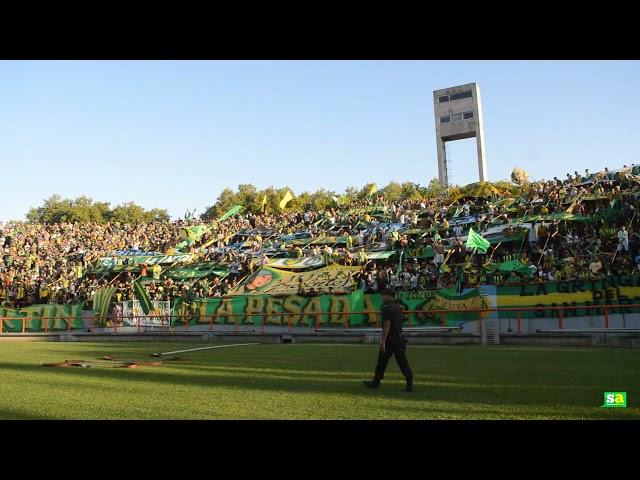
x: 399, y: 349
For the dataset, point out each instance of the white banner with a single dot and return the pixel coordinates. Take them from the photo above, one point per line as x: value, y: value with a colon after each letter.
x: 305, y: 262
x: 132, y: 311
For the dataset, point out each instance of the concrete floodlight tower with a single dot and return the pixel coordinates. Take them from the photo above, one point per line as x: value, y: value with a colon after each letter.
x: 458, y: 113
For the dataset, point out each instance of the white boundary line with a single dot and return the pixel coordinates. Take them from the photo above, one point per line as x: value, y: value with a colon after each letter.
x: 203, y: 348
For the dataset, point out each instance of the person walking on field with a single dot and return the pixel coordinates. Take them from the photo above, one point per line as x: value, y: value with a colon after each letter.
x: 392, y: 343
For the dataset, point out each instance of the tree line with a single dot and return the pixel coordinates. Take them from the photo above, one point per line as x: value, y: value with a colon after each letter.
x: 55, y: 209
x: 252, y: 199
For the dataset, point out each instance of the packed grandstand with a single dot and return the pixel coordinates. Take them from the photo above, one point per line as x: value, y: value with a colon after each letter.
x: 579, y: 228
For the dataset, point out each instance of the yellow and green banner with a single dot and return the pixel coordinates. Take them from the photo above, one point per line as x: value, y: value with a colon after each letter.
x: 194, y: 232
x: 52, y: 316
x: 132, y: 263
x: 428, y: 307
x: 354, y: 309
x: 143, y: 297
x: 617, y: 290
x: 199, y: 270
x: 102, y: 300
x: 273, y: 281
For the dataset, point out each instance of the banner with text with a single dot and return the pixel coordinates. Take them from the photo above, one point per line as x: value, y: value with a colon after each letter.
x: 354, y: 309
x: 53, y: 316
x: 272, y: 281
x: 615, y: 290
x: 114, y: 263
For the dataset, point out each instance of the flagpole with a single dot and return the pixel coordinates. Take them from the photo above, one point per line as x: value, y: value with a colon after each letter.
x: 494, y: 251
x: 631, y: 222
x: 617, y: 248
x: 446, y: 259
x: 521, y: 245
x: 545, y: 246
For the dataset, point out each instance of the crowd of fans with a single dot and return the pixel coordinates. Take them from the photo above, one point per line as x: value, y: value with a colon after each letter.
x: 42, y: 263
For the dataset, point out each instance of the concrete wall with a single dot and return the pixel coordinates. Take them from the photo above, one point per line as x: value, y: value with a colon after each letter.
x: 507, y: 325
x: 615, y: 340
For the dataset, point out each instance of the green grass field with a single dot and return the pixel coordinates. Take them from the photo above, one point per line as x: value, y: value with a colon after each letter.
x: 298, y: 381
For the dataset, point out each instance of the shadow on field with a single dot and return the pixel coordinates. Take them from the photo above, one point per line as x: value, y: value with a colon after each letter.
x: 13, y: 413
x: 429, y: 390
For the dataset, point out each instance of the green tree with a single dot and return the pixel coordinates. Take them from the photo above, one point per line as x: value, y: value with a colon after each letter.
x: 364, y: 191
x: 392, y: 192
x: 351, y: 192
x: 410, y: 191
x: 157, y: 215
x: 247, y: 197
x: 83, y: 209
x: 55, y: 209
x: 434, y: 190
x: 322, y: 200
x: 224, y: 202
x: 128, y: 213
x: 300, y: 202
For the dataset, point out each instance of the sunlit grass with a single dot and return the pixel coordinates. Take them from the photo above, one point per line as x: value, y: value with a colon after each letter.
x: 314, y: 382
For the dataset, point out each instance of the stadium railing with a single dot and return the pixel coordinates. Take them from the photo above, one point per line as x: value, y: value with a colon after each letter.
x: 140, y: 322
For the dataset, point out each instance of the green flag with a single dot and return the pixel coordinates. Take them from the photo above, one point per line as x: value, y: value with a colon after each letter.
x: 474, y: 240
x: 191, y: 235
x: 399, y: 269
x: 143, y: 297
x: 194, y: 232
x: 231, y: 212
x: 514, y: 266
x: 102, y: 300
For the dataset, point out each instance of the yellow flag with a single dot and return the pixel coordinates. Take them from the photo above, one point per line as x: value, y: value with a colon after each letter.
x: 286, y: 199
x: 264, y: 201
x: 373, y: 189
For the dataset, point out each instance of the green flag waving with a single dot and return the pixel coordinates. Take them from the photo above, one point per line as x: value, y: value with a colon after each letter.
x: 231, y: 212
x: 102, y: 300
x: 194, y: 232
x: 191, y: 235
x: 143, y: 297
x: 474, y: 240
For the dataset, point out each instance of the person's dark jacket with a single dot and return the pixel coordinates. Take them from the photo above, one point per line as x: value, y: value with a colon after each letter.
x: 393, y: 313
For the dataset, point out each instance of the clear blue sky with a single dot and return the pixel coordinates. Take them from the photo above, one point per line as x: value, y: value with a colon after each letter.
x: 174, y: 134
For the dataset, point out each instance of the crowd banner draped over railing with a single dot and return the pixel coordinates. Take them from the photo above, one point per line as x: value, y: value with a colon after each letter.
x: 133, y: 314
x: 426, y: 307
x: 615, y: 290
x: 149, y: 260
x: 328, y: 309
x: 42, y: 317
